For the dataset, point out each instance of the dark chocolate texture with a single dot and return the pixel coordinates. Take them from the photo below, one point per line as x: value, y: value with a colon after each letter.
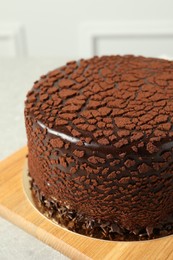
x: 100, y: 139
x: 79, y: 223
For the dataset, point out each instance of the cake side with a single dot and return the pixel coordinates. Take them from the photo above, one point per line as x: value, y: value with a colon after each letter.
x: 100, y: 139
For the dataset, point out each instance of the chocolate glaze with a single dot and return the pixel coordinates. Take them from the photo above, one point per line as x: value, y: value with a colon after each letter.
x: 79, y: 223
x: 100, y: 139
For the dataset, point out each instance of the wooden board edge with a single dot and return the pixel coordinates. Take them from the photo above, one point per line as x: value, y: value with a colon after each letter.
x: 29, y: 227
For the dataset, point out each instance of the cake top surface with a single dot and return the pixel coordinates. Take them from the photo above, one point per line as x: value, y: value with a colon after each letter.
x: 108, y: 101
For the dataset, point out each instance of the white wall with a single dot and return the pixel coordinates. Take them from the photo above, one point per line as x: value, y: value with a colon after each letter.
x: 79, y: 28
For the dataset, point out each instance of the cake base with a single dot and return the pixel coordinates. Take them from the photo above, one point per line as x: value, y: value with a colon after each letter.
x: 80, y: 224
x: 16, y: 207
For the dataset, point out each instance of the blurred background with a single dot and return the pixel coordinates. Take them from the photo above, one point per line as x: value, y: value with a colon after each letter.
x: 37, y: 36
x: 80, y: 28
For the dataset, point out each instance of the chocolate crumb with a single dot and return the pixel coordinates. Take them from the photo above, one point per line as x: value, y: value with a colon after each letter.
x: 96, y: 228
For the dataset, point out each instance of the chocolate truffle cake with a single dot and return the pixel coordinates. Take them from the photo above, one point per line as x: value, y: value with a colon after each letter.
x: 100, y: 140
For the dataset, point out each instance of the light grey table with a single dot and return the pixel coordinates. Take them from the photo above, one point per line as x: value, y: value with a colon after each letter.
x: 16, y: 78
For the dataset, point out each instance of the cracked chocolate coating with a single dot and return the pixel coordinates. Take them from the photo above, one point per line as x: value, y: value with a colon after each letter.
x: 79, y: 223
x: 100, y: 138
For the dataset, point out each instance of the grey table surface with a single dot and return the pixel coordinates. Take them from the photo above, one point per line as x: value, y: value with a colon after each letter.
x: 16, y: 78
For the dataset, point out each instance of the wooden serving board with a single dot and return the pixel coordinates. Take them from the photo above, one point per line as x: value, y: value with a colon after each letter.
x: 15, y: 207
